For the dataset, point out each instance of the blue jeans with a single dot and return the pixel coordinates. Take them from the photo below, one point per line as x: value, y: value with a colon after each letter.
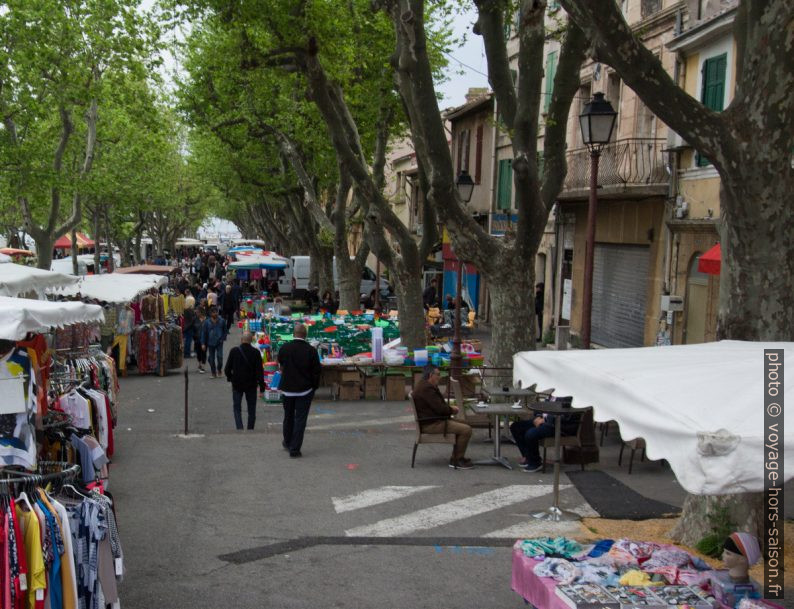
x: 527, y: 438
x: 296, y: 413
x: 215, y: 355
x: 187, y: 334
x: 250, y: 402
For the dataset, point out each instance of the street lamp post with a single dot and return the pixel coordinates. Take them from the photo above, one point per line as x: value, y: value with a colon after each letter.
x: 596, y: 122
x: 465, y: 187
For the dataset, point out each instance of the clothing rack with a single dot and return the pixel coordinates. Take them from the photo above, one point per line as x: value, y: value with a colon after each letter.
x: 67, y: 472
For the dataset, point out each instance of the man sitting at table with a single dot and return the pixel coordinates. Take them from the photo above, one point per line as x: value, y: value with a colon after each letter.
x: 433, y: 414
x: 528, y: 434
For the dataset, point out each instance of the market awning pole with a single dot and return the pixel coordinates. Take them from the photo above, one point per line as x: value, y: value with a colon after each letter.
x: 186, y: 384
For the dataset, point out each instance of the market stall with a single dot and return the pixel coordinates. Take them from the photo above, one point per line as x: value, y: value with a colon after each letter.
x: 700, y: 407
x: 560, y: 573
x: 360, y: 353
x: 57, y: 422
x: 120, y: 295
x: 18, y: 279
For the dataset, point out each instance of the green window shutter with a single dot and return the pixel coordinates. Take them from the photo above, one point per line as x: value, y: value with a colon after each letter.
x: 554, y: 5
x: 713, y: 90
x: 551, y: 71
x: 505, y: 192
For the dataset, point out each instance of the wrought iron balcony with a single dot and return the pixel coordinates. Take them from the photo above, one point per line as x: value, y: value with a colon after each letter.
x: 630, y: 162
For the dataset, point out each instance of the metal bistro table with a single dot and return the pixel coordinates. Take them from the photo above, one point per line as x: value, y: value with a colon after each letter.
x: 497, y: 411
x: 555, y: 513
x: 512, y: 392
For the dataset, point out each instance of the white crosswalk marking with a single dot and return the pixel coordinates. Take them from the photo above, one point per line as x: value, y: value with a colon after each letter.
x: 374, y: 496
x: 363, y: 423
x: 452, y: 511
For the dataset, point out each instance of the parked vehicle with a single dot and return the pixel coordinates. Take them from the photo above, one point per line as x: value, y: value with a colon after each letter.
x: 295, y: 279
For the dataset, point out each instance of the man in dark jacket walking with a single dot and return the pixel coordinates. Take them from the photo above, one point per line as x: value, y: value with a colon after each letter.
x: 245, y: 372
x: 300, y: 378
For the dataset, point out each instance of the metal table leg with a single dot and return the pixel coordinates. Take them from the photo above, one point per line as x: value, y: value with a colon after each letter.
x: 497, y: 458
x: 555, y: 513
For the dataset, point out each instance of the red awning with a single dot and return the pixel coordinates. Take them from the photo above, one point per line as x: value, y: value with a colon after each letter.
x: 711, y: 261
x: 65, y: 242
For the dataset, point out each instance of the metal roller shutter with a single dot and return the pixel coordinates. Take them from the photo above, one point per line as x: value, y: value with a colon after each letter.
x: 620, y: 280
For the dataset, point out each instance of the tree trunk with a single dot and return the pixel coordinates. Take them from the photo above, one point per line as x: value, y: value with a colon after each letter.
x: 349, y: 274
x: 44, y: 245
x: 746, y: 512
x: 513, y: 319
x: 412, y: 311
x: 75, y: 267
x: 97, y: 258
x: 324, y: 263
x: 757, y: 274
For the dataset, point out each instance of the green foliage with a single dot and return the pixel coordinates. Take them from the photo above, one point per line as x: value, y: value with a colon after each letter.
x: 549, y: 336
x: 721, y: 526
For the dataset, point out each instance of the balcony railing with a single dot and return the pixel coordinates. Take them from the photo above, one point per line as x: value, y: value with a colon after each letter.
x: 627, y: 162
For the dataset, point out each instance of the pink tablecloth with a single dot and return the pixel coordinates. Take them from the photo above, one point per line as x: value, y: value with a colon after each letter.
x: 540, y: 590
x: 536, y: 590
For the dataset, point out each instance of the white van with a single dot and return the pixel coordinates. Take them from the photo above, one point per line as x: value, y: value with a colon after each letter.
x: 295, y: 278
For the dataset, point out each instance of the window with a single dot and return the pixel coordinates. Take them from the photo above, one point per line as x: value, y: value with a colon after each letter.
x: 554, y: 5
x: 649, y: 7
x: 713, y: 90
x: 463, y: 150
x: 551, y: 71
x: 505, y: 192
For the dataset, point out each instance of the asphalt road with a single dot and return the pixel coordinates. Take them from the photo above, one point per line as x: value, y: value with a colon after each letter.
x: 227, y: 519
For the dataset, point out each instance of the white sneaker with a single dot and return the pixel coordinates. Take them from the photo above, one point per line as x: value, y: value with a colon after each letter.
x: 202, y: 371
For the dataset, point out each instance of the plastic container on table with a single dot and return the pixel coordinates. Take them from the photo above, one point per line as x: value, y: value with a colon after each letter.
x: 420, y: 357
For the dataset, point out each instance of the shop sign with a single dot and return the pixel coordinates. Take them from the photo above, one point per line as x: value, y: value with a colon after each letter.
x: 500, y: 222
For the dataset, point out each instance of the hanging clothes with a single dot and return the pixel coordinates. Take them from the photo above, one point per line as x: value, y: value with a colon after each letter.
x: 18, y: 408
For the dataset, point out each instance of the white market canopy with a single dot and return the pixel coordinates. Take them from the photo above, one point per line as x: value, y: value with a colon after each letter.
x: 188, y: 243
x: 16, y: 279
x: 18, y: 316
x: 115, y: 287
x: 700, y: 407
x: 267, y: 261
x: 5, y: 258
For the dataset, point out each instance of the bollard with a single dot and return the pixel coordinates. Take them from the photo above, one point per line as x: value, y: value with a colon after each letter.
x: 186, y: 383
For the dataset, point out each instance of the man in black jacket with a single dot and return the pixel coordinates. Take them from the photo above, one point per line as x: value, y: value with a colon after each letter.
x: 245, y: 372
x: 300, y: 378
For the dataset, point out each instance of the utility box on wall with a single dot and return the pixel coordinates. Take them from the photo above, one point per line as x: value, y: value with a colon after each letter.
x: 672, y: 303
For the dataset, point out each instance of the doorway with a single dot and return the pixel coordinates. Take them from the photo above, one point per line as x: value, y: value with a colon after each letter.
x: 696, y: 300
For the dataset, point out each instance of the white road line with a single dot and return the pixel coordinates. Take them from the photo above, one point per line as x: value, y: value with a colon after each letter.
x: 537, y: 528
x: 532, y: 527
x: 364, y: 423
x: 374, y: 496
x: 452, y: 511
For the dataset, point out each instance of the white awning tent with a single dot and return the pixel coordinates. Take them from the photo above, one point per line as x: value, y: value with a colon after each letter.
x: 269, y: 260
x: 18, y: 316
x: 16, y: 279
x: 188, y: 243
x: 115, y: 287
x: 700, y: 407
